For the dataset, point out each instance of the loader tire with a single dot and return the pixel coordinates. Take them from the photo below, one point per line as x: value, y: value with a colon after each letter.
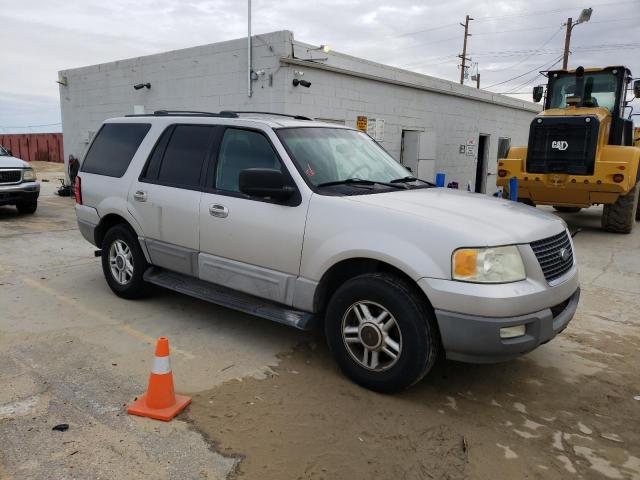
x: 620, y: 216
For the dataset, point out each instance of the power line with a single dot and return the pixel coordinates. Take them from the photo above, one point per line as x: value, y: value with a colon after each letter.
x: 527, y: 58
x: 518, y: 76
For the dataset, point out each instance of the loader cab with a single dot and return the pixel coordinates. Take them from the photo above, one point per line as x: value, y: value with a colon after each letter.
x: 593, y: 88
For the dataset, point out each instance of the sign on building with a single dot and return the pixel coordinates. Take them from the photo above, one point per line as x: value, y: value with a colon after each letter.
x: 361, y: 123
x: 471, y: 148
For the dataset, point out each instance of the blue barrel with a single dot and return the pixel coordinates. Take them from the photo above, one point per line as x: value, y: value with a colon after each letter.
x: 440, y: 179
x: 513, y: 189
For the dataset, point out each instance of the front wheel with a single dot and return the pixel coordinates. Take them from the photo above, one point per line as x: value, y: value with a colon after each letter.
x: 123, y: 263
x: 619, y: 217
x: 382, y: 332
x: 27, y: 207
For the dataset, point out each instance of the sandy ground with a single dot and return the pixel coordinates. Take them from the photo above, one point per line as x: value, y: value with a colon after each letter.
x: 269, y: 403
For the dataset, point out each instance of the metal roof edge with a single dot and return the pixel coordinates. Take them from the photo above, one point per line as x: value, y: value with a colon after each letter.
x: 496, y: 99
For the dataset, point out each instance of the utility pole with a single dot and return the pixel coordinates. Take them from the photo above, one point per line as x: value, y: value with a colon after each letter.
x: 464, y: 48
x: 567, y: 42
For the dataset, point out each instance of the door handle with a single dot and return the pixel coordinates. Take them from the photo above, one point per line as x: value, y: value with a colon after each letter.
x: 218, y: 210
x: 140, y: 196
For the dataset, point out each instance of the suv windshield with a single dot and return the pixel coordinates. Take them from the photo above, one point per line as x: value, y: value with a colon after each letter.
x: 334, y: 155
x: 599, y: 90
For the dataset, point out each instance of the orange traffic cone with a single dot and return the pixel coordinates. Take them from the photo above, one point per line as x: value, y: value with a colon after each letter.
x: 160, y: 401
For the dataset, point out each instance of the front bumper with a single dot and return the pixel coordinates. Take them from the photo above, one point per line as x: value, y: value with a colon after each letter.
x: 475, y: 339
x: 18, y: 193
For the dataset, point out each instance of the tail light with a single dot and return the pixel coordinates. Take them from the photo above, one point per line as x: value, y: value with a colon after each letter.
x: 618, y: 177
x: 502, y: 173
x: 77, y: 191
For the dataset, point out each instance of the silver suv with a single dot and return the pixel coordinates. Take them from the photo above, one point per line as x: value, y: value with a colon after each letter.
x: 302, y: 222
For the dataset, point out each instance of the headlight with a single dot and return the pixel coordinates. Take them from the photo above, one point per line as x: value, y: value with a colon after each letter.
x: 28, y: 175
x: 488, y: 265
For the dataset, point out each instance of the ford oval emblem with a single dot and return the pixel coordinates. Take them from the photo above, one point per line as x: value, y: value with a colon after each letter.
x: 565, y: 254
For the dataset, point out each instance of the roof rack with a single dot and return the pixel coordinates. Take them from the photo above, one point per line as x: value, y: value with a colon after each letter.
x: 236, y: 112
x: 185, y: 113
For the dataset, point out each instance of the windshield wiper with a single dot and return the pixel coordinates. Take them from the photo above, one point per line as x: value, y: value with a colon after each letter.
x: 410, y: 179
x: 359, y: 181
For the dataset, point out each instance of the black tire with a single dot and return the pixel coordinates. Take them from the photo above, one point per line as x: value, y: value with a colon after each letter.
x: 135, y: 286
x: 27, y: 207
x: 619, y: 217
x: 414, y: 319
x: 561, y: 209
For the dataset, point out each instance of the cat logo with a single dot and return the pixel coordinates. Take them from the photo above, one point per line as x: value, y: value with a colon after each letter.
x: 561, y: 145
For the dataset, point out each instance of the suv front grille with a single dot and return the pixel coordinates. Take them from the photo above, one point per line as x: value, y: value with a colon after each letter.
x: 554, y: 255
x: 10, y: 176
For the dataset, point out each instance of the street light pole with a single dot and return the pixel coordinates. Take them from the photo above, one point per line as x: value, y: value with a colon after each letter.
x: 585, y: 16
x: 567, y: 42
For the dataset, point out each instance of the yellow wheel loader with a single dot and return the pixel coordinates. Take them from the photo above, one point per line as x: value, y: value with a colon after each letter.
x: 582, y: 149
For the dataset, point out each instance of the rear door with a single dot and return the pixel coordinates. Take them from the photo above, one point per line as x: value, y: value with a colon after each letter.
x: 165, y: 199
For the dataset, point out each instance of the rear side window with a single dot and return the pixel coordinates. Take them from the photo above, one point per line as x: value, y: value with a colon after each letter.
x: 179, y: 157
x: 113, y: 148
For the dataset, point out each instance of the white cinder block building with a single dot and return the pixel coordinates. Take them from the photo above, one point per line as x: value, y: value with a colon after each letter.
x: 429, y: 124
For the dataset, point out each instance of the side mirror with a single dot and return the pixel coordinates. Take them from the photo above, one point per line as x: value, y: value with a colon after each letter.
x: 9, y: 152
x: 636, y: 88
x: 538, y: 91
x: 264, y: 183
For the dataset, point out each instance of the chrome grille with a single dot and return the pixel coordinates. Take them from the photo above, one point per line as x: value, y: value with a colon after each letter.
x: 10, y: 176
x: 549, y: 254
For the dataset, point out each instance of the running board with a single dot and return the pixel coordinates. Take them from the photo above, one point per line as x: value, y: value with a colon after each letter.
x: 229, y: 298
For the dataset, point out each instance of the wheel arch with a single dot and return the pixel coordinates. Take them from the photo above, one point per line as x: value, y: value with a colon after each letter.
x: 109, y: 221
x: 349, y: 268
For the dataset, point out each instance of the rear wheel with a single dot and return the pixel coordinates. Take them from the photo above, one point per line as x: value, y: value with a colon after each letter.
x: 619, y: 217
x: 382, y: 332
x: 27, y: 207
x: 123, y: 263
x: 558, y: 208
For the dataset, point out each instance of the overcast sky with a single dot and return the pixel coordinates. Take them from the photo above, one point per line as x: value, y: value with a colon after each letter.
x: 511, y: 38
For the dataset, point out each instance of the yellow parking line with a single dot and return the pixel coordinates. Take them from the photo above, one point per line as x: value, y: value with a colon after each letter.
x: 123, y: 327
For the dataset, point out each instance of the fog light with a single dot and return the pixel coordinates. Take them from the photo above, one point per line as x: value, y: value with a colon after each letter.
x: 618, y: 177
x: 512, y: 332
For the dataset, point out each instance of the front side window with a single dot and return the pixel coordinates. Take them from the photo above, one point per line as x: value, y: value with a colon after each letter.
x: 3, y: 152
x: 114, y: 147
x: 326, y: 155
x: 600, y: 90
x: 239, y: 150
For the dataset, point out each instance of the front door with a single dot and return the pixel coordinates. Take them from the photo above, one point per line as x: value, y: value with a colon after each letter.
x: 249, y: 244
x: 165, y: 200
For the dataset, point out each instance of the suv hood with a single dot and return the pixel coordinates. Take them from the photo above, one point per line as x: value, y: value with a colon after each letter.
x: 487, y: 221
x: 12, y: 162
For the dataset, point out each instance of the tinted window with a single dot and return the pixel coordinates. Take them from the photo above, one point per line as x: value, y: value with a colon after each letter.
x: 241, y: 149
x: 114, y: 147
x: 153, y: 165
x: 185, y: 155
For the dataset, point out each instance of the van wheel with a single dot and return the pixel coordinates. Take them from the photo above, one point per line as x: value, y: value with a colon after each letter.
x: 123, y: 263
x: 27, y: 207
x: 560, y: 209
x: 619, y: 217
x: 382, y: 332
